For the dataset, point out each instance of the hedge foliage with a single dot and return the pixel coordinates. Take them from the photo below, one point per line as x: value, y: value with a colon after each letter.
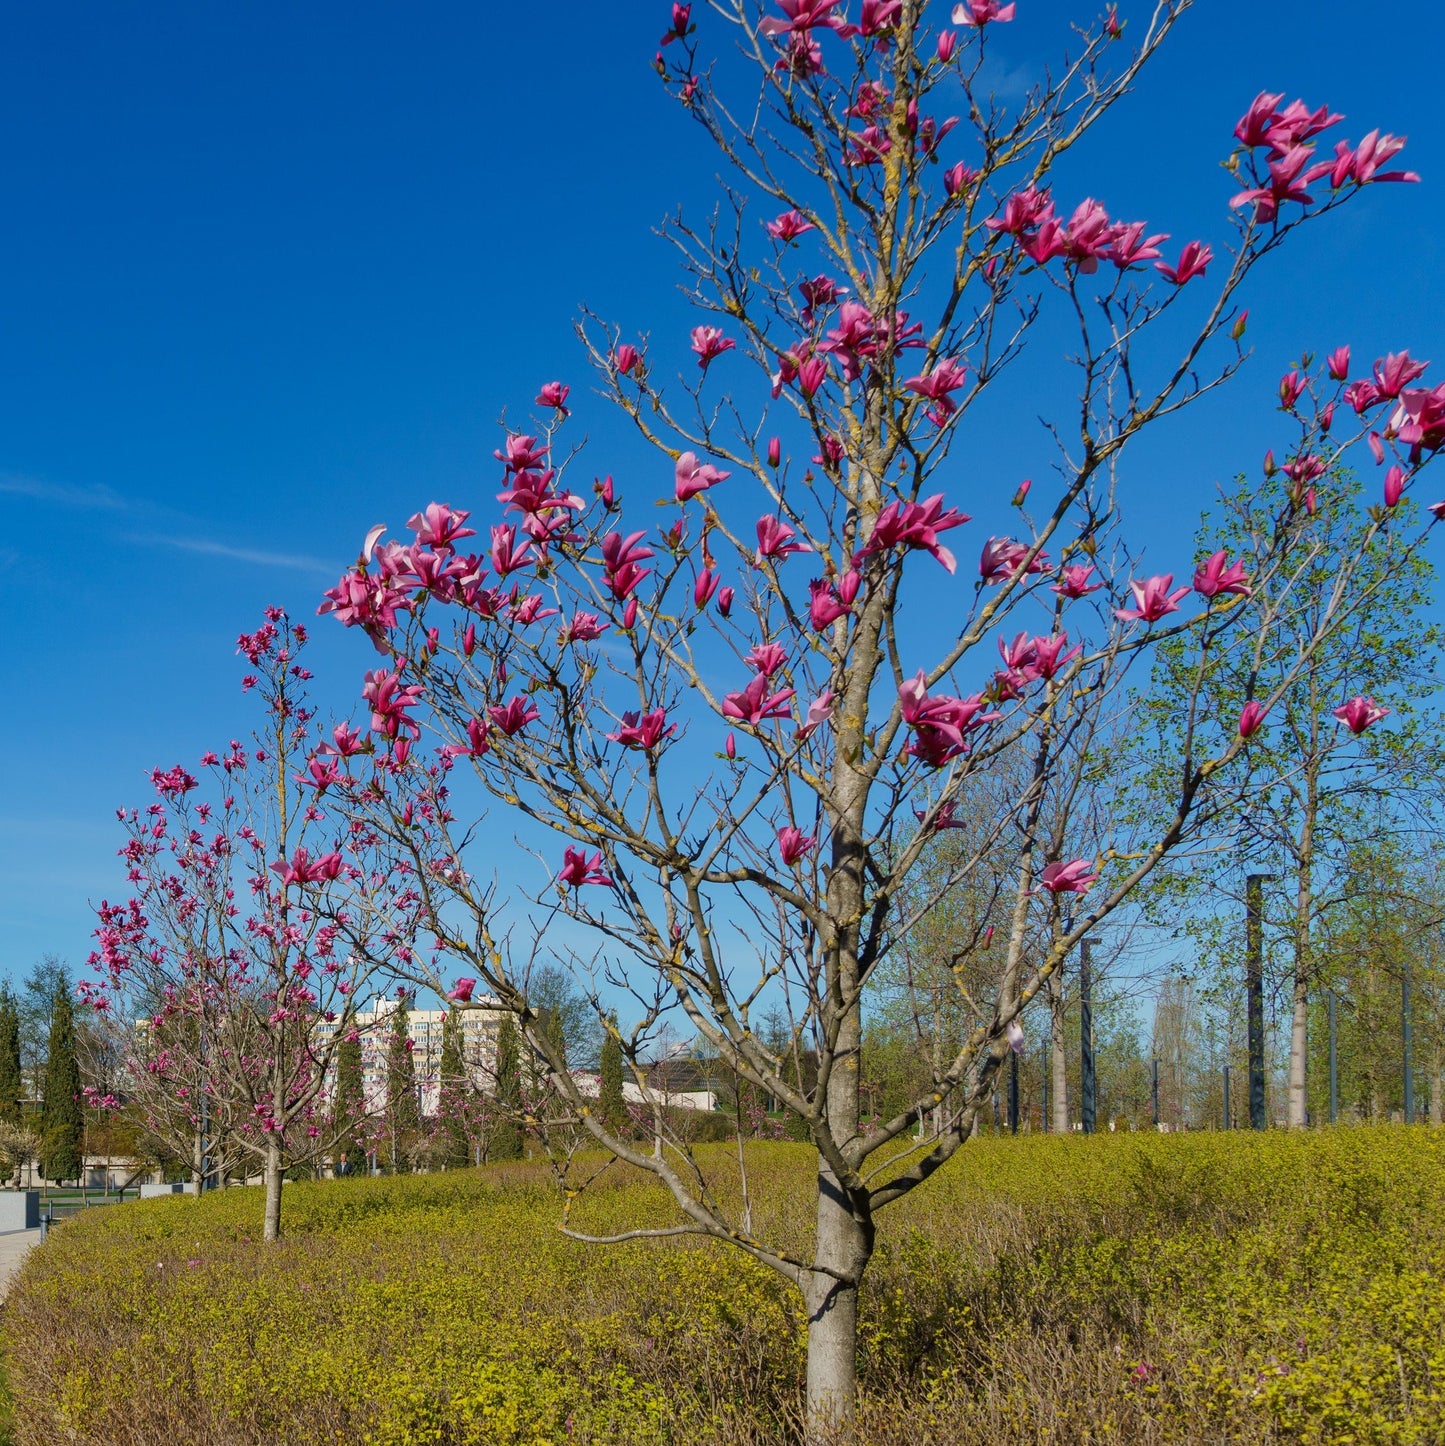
x: 1276, y: 1288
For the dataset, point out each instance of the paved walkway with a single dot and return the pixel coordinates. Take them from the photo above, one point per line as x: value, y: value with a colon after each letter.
x: 14, y: 1246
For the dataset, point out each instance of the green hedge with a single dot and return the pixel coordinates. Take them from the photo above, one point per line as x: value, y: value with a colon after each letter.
x: 1126, y: 1288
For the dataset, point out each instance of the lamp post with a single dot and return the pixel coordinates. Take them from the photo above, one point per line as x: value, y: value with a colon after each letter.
x: 1254, y: 991
x: 1334, y: 1063
x: 1086, y: 1034
x: 1407, y: 1043
x: 1013, y: 1092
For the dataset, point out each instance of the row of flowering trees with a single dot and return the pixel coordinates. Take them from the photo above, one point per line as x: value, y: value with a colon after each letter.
x: 744, y: 730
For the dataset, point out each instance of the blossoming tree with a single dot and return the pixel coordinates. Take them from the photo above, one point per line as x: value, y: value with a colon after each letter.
x: 220, y: 973
x: 744, y: 728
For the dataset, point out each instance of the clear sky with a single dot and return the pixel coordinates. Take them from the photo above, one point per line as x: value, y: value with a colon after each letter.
x: 270, y: 274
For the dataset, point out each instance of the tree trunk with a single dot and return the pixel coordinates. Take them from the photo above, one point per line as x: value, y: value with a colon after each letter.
x: 271, y: 1229
x: 1058, y: 1059
x: 1297, y: 1109
x: 844, y: 1246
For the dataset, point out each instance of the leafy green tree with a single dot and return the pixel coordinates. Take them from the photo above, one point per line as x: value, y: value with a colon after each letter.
x: 62, y: 1119
x: 403, y: 1115
x: 1318, y: 790
x: 611, y: 1102
x: 453, y: 1095
x: 11, y: 1084
x: 350, y: 1105
x: 506, y: 1143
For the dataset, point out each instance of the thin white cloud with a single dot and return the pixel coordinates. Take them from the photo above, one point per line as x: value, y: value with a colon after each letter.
x: 95, y: 498
x: 295, y: 561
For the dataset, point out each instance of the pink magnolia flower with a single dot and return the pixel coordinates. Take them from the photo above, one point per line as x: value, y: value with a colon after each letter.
x: 800, y: 16
x: 439, y: 526
x: 1216, y: 575
x: 767, y: 658
x: 1074, y: 877
x: 1052, y: 654
x: 947, y: 44
x: 1359, y: 713
x: 946, y: 817
x: 1396, y: 373
x: 625, y: 358
x: 321, y: 773
x: 819, y: 711
x: 1152, y: 600
x: 946, y: 377
x: 1130, y: 245
x: 514, y: 715
x: 461, y: 991
x: 754, y: 703
x: 1339, y: 363
x: 704, y: 587
x: 507, y: 557
x: 302, y: 869
x: 958, y: 178
x: 789, y: 226
x: 1251, y: 718
x: 825, y: 607
x: 811, y: 376
x: 554, y: 394
x: 1290, y: 173
x: 578, y: 869
x: 793, y: 843
x: 390, y: 701
x: 1362, y: 163
x: 977, y: 13
x: 1002, y: 558
x: 725, y: 600
x: 584, y: 628
x: 1074, y: 582
x: 1394, y: 485
x: 775, y: 451
x: 915, y: 525
x: 621, y: 562
x: 644, y: 731
x: 1192, y: 262
x: 172, y: 783
x: 709, y: 343
x: 693, y: 476
x: 775, y: 540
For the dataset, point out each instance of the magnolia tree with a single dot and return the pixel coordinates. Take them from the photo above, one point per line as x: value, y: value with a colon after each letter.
x: 222, y: 972
x: 743, y: 729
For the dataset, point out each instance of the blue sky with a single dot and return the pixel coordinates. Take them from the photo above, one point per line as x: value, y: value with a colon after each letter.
x: 271, y: 274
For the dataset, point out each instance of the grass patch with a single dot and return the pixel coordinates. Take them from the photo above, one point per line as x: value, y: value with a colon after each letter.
x: 1139, y: 1289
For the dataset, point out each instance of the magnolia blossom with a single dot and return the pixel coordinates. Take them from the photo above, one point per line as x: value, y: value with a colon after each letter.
x: 1152, y: 600
x: 819, y: 711
x: 461, y: 991
x: 1251, y: 718
x: 793, y: 843
x: 644, y: 731
x: 1074, y: 877
x: 1359, y: 713
x: 754, y: 703
x: 775, y: 539
x: 914, y: 525
x: 693, y: 476
x: 1217, y: 575
x: 978, y: 13
x: 709, y: 343
x: 578, y: 869
x: 789, y: 226
x: 1074, y: 582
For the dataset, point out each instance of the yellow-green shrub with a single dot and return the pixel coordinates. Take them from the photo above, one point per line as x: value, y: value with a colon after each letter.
x: 1126, y: 1288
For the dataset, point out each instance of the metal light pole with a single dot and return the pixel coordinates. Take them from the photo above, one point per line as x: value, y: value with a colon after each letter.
x: 1086, y: 1034
x: 1408, y: 1043
x: 1334, y: 1064
x: 1254, y: 990
x: 1013, y: 1092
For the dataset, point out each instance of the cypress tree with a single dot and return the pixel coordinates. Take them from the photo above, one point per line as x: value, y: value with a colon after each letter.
x: 611, y: 1103
x: 454, y: 1093
x: 10, y: 1079
x: 350, y: 1107
x: 506, y: 1143
x: 62, y: 1119
x: 403, y: 1115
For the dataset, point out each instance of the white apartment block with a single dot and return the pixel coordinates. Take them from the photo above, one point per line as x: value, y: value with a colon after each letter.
x: 480, y: 1022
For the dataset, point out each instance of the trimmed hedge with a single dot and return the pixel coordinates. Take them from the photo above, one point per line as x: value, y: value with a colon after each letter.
x: 1128, y: 1288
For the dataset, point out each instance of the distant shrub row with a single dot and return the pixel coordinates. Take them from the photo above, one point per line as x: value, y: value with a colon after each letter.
x: 1237, y: 1288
